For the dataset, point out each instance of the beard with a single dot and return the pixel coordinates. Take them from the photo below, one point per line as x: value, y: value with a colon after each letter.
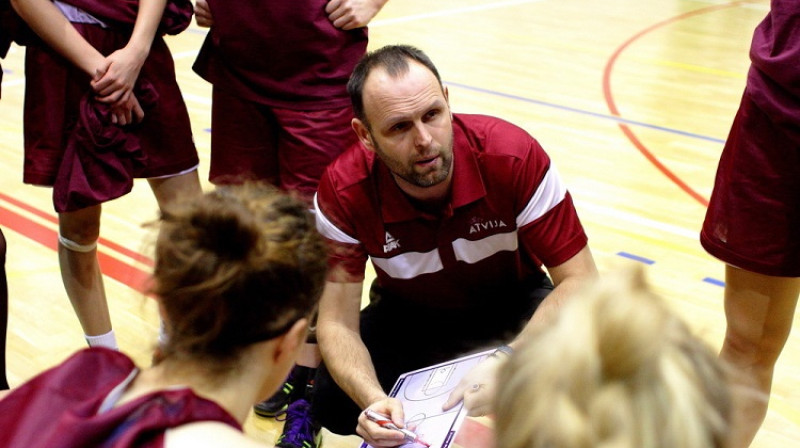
x: 420, y: 176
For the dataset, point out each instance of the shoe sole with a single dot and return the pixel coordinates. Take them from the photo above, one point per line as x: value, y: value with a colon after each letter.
x: 270, y: 414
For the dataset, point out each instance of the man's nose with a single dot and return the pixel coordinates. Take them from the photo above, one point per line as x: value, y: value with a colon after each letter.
x: 422, y: 137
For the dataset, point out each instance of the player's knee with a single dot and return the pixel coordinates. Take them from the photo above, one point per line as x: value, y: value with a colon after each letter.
x: 760, y: 352
x: 75, y: 246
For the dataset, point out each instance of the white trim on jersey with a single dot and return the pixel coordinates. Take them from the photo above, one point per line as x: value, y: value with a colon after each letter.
x: 326, y: 228
x: 410, y: 264
x: 471, y: 252
x: 550, y: 192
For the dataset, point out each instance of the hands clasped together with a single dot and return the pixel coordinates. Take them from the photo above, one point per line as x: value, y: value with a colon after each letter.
x: 114, y: 81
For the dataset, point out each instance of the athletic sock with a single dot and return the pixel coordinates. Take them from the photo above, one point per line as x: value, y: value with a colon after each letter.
x: 107, y: 340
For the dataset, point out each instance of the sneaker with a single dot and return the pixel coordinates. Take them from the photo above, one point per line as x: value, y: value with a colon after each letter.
x: 292, y: 389
x: 276, y: 404
x: 299, y: 429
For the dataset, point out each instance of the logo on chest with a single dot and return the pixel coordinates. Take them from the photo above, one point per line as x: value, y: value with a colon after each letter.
x: 391, y: 243
x: 479, y: 225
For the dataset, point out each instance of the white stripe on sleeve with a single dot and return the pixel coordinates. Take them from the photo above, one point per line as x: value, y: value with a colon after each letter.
x: 326, y: 228
x: 551, y: 192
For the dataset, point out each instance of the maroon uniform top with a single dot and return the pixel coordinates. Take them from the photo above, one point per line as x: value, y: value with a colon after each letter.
x: 508, y: 213
x: 774, y: 78
x: 60, y: 407
x: 280, y: 53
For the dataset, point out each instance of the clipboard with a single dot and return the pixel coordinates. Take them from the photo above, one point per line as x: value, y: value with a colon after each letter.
x: 424, y: 391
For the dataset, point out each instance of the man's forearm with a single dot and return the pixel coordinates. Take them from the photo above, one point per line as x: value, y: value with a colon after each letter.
x: 549, y: 307
x: 569, y: 278
x: 349, y: 363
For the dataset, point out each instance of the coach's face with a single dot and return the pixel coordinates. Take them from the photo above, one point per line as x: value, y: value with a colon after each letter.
x: 409, y: 126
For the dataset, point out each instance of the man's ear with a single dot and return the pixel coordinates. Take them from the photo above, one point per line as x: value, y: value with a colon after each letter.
x: 362, y: 132
x: 447, y: 100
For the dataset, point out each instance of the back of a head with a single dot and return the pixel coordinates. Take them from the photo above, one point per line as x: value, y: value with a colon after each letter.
x: 392, y: 58
x: 236, y: 266
x: 616, y: 369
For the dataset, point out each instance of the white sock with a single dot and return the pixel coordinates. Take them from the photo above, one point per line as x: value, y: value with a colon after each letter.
x: 107, y: 340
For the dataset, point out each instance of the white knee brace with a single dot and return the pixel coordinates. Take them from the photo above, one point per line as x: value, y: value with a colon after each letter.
x: 75, y: 247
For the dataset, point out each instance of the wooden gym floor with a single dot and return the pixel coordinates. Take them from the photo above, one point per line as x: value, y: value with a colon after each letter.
x: 632, y: 100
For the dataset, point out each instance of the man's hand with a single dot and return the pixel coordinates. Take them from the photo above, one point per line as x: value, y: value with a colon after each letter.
x: 376, y: 435
x: 477, y: 388
x: 351, y: 14
x: 202, y: 14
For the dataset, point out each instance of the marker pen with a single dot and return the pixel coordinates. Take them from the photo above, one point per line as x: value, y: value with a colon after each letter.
x: 386, y: 422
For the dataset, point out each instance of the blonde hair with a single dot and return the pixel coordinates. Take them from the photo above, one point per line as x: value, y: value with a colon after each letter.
x: 616, y: 369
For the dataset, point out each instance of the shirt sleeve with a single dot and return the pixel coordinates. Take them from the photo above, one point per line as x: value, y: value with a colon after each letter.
x: 549, y: 228
x: 347, y: 257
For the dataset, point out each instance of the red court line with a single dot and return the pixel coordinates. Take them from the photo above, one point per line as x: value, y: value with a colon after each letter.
x: 110, y: 266
x: 612, y: 107
x: 110, y: 244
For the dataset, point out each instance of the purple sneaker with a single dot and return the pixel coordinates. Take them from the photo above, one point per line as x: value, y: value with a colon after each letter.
x: 299, y: 429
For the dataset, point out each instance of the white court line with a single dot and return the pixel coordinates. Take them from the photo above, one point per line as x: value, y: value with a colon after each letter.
x: 637, y: 220
x: 185, y: 54
x: 192, y: 98
x: 13, y: 82
x: 450, y: 12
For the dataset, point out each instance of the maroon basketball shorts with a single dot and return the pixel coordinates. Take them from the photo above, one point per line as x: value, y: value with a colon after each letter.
x: 288, y: 148
x: 54, y: 88
x: 753, y: 220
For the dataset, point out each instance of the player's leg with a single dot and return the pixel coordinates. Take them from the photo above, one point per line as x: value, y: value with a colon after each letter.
x: 170, y: 188
x: 759, y: 310
x: 3, y: 312
x: 80, y: 272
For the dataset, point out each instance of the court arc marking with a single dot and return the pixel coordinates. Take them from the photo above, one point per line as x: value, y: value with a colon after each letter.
x: 607, y: 92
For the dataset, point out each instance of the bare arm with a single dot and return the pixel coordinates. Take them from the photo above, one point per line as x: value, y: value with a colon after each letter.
x: 351, y: 14
x: 567, y: 277
x: 123, y: 66
x: 46, y: 20
x: 349, y: 362
x: 346, y: 356
x: 478, y: 386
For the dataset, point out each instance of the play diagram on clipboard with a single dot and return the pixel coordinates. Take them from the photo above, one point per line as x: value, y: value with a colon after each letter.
x: 424, y: 391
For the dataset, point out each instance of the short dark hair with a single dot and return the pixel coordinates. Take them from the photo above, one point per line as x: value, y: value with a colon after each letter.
x: 394, y: 58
